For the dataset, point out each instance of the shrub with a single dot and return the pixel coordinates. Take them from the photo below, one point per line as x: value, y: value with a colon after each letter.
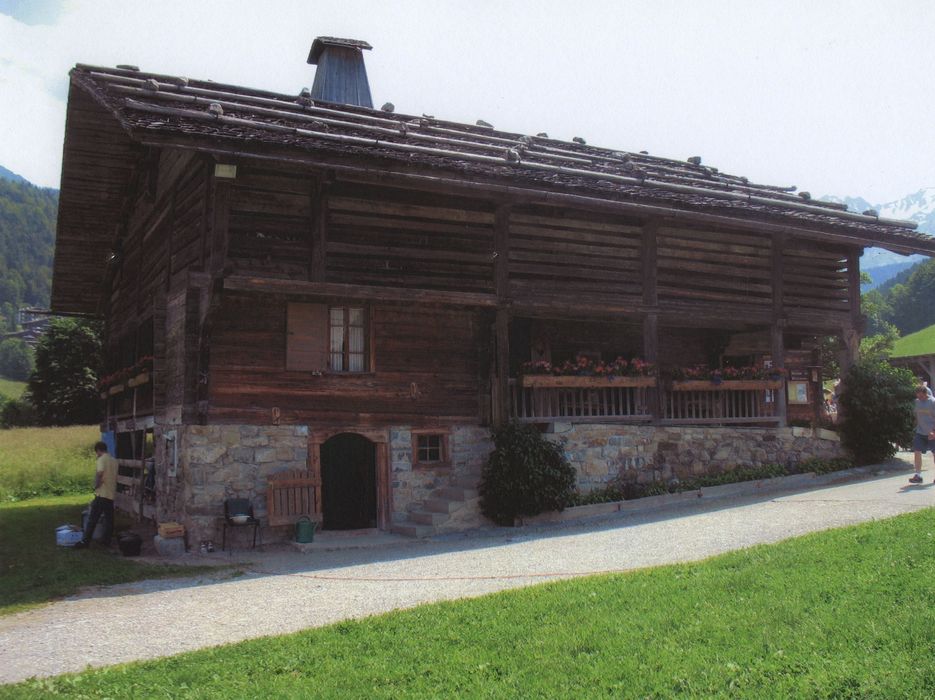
x: 16, y: 359
x: 524, y: 475
x: 877, y: 410
x: 17, y: 413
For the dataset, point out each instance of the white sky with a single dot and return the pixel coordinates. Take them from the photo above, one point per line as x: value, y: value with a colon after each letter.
x: 833, y: 96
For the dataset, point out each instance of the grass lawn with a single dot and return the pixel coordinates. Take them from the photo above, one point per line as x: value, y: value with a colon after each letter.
x: 918, y: 343
x: 34, y: 570
x: 46, y: 461
x: 11, y: 388
x: 842, y: 614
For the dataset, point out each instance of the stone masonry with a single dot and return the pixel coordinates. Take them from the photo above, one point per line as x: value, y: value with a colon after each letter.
x: 232, y: 461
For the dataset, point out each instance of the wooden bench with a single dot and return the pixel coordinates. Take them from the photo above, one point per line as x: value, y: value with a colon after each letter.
x: 290, y: 495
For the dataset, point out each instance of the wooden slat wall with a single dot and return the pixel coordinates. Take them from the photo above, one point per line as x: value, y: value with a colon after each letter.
x: 715, y: 267
x: 380, y: 236
x: 815, y: 280
x: 270, y: 223
x: 573, y: 256
x: 425, y: 368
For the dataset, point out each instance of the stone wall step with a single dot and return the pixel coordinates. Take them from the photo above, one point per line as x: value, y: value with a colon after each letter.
x: 442, y: 505
x: 454, y: 493
x: 412, y: 530
x: 423, y: 517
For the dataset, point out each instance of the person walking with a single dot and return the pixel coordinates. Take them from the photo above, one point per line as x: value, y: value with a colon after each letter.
x: 924, y: 438
x: 105, y: 489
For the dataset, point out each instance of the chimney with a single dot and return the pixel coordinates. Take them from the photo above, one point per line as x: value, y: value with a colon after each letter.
x: 340, y: 76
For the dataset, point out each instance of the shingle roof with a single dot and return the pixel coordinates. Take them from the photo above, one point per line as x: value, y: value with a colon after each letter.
x: 156, y: 108
x: 149, y: 102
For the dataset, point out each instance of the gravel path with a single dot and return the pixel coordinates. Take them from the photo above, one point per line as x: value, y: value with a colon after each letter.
x: 286, y: 591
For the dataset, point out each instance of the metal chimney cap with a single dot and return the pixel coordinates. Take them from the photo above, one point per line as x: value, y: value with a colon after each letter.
x: 322, y: 41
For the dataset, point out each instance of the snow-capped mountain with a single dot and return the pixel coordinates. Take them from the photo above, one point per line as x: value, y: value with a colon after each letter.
x: 918, y: 206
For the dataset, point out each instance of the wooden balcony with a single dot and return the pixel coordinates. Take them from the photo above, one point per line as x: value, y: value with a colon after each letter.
x: 703, y: 402
x: 540, y: 398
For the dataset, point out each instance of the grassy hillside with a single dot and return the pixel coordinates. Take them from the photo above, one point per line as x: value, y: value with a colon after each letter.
x: 46, y: 461
x: 918, y: 343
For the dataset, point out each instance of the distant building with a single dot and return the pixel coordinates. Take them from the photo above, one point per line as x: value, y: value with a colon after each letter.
x: 32, y: 322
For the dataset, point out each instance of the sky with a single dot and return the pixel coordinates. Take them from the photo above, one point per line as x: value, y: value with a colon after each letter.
x: 832, y: 96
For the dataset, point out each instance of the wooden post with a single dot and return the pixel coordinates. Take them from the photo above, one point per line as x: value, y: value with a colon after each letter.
x: 501, y: 399
x: 220, y: 226
x: 501, y: 251
x: 649, y: 261
x: 651, y: 354
x: 777, y: 340
x: 318, y: 238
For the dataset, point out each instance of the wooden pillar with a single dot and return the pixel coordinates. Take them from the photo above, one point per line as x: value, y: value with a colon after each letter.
x: 501, y: 395
x: 649, y: 262
x: 500, y: 388
x: 777, y: 339
x: 852, y: 331
x: 501, y: 251
x: 318, y: 235
x: 220, y: 226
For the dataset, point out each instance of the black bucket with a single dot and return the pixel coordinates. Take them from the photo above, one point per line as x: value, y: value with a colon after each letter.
x: 129, y: 544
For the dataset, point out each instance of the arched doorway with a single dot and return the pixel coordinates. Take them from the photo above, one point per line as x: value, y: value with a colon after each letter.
x: 348, y: 483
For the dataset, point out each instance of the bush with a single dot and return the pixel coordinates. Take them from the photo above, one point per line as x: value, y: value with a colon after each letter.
x: 524, y: 475
x: 17, y: 413
x: 877, y: 410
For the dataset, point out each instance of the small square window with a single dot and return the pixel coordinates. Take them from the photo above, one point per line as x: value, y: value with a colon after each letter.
x: 429, y: 449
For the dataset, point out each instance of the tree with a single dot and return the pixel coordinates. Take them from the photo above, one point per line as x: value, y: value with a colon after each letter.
x: 63, y: 386
x: 16, y: 359
x: 876, y: 405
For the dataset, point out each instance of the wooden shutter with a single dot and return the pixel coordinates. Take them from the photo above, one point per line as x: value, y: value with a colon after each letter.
x: 307, y: 337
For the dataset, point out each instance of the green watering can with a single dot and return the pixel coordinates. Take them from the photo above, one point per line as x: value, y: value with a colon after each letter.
x: 304, y: 530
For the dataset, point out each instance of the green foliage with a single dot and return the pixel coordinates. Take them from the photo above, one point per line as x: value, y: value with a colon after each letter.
x: 840, y: 614
x: 16, y: 359
x: 907, y: 303
x: 876, y: 405
x: 27, y: 239
x: 63, y: 386
x: 17, y: 413
x: 619, y: 490
x: 37, y: 571
x: 879, y: 346
x: 524, y: 475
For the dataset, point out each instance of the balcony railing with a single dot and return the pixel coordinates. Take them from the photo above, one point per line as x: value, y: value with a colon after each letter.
x: 581, y: 399
x: 704, y: 402
x: 541, y: 398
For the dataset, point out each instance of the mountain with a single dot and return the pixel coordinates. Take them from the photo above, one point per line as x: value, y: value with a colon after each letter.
x: 27, y: 240
x: 10, y: 175
x: 881, y: 264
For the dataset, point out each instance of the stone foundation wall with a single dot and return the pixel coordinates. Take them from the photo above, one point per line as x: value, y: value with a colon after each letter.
x: 217, y: 462
x: 602, y: 453
x: 233, y: 461
x: 468, y: 447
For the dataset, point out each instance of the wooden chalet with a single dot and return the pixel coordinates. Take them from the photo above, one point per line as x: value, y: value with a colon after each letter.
x: 303, y: 284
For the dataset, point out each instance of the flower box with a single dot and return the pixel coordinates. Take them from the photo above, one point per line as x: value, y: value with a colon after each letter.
x: 116, y: 389
x: 726, y: 385
x: 544, y: 381
x: 141, y: 378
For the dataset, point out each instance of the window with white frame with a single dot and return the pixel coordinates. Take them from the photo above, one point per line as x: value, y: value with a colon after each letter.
x: 348, y: 339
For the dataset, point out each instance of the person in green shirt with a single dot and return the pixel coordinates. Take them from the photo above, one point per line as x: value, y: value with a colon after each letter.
x: 105, y: 489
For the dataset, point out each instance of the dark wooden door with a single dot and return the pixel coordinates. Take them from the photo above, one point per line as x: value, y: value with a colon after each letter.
x: 348, y: 483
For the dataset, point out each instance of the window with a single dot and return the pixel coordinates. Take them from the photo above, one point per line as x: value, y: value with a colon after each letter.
x: 348, y: 339
x: 429, y: 449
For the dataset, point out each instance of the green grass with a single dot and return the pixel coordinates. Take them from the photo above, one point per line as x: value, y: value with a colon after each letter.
x: 34, y: 570
x: 918, y: 343
x: 46, y: 461
x: 841, y: 614
x: 11, y: 388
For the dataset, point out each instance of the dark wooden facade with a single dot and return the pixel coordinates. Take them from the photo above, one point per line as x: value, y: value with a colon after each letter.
x: 198, y: 219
